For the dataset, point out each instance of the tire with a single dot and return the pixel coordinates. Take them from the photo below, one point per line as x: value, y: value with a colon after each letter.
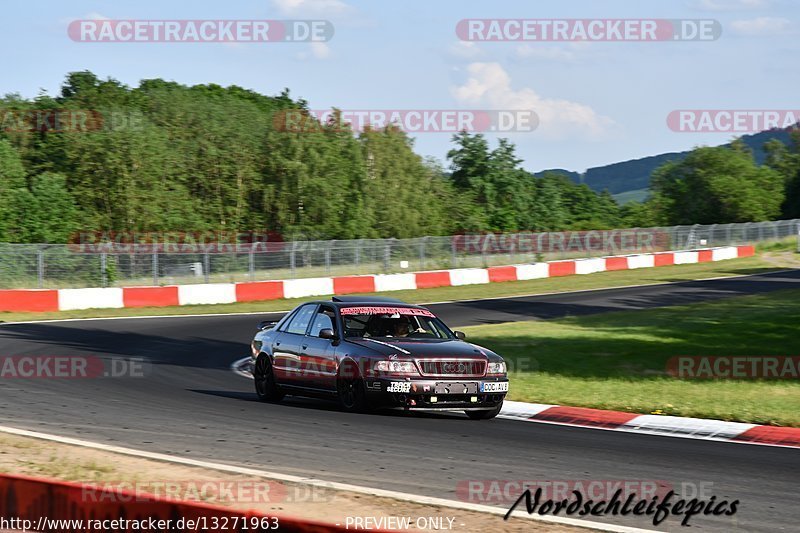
x: 485, y: 415
x: 266, y: 388
x: 350, y: 390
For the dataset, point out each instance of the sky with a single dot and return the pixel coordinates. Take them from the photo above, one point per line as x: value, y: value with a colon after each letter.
x: 597, y: 102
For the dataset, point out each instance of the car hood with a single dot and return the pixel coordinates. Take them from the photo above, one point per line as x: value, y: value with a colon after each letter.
x: 418, y: 348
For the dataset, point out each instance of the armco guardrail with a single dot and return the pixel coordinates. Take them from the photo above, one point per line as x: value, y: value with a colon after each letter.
x: 125, y: 259
x: 48, y: 505
x: 222, y: 293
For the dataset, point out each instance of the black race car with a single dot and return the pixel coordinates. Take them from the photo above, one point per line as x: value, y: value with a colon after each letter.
x: 374, y: 352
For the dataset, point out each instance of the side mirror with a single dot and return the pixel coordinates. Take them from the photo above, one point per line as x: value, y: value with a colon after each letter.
x: 327, y: 333
x: 460, y: 335
x: 265, y: 324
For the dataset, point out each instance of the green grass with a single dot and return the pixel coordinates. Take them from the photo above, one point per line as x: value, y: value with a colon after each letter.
x: 789, y: 244
x: 618, y: 360
x: 734, y: 267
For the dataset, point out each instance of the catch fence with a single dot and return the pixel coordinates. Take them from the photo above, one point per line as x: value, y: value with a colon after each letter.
x: 123, y: 263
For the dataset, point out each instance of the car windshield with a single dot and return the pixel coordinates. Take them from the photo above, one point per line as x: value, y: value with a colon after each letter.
x: 392, y: 323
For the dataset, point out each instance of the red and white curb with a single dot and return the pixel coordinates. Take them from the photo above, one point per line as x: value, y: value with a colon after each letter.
x: 42, y: 300
x: 671, y: 426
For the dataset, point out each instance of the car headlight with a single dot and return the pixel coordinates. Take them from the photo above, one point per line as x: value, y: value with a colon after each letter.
x: 497, y: 369
x: 396, y: 367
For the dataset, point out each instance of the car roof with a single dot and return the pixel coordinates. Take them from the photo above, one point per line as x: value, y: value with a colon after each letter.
x: 349, y: 301
x: 366, y: 299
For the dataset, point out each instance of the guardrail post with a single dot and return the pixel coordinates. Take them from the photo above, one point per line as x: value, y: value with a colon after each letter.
x: 40, y: 267
x: 387, y: 254
x: 293, y: 259
x: 103, y: 272
x: 251, y: 263
x: 453, y: 252
x: 328, y: 257
x: 155, y: 267
x: 206, y: 265
x: 635, y: 246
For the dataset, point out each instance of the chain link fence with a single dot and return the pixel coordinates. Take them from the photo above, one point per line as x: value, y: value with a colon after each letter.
x: 120, y: 264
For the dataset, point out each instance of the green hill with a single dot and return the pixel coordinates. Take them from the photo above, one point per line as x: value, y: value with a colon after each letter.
x: 634, y: 175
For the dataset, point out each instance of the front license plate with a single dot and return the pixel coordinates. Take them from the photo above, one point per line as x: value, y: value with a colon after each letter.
x: 399, y: 386
x: 494, y: 386
x: 451, y: 387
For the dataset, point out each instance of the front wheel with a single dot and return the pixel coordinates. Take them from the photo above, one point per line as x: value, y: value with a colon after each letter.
x: 351, y: 391
x: 266, y: 388
x: 485, y: 415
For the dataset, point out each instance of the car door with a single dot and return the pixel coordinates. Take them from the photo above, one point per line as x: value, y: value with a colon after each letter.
x: 319, y: 356
x: 289, y: 347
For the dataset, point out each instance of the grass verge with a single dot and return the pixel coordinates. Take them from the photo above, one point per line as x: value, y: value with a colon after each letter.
x: 618, y: 360
x: 734, y: 267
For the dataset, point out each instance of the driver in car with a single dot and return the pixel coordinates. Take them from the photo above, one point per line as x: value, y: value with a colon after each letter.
x: 401, y: 327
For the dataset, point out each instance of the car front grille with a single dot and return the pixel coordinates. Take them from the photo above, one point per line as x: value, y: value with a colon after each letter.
x: 452, y: 367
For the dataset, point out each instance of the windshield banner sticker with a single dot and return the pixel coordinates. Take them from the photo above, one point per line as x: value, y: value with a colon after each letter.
x: 385, y: 311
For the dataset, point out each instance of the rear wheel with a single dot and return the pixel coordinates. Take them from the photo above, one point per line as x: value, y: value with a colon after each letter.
x: 266, y: 388
x: 351, y: 391
x: 485, y: 415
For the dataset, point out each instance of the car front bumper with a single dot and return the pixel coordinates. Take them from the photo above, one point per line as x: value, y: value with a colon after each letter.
x: 437, y: 393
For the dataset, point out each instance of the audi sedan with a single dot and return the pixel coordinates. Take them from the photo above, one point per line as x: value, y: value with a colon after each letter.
x: 370, y: 352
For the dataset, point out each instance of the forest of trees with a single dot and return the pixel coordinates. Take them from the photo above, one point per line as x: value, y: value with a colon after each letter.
x: 168, y: 157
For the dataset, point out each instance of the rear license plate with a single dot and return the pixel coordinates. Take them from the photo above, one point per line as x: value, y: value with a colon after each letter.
x: 448, y: 387
x: 494, y: 386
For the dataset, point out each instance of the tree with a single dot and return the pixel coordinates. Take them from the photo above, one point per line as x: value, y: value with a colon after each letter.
x: 786, y: 161
x: 12, y: 178
x: 44, y: 213
x: 718, y: 185
x: 469, y: 162
x: 494, y: 179
x: 512, y: 189
x: 172, y: 157
x: 401, y: 192
x: 641, y: 215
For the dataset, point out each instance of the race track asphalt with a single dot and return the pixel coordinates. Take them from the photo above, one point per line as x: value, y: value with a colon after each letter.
x: 189, y: 403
